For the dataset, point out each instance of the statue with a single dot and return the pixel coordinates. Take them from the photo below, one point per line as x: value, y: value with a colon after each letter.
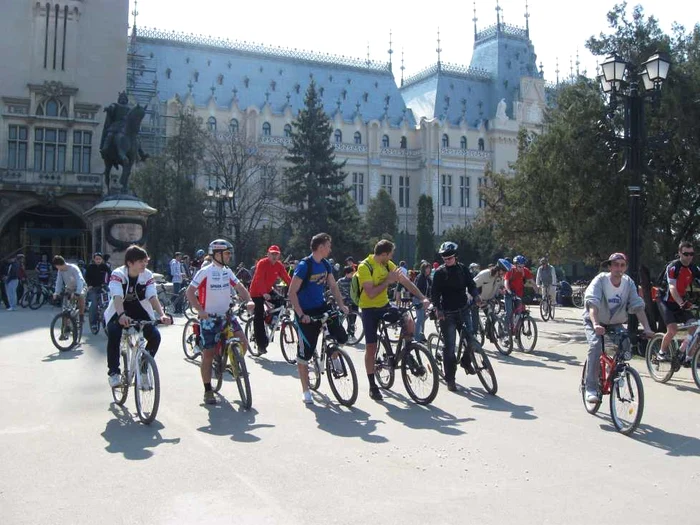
x: 501, y: 110
x: 120, y: 144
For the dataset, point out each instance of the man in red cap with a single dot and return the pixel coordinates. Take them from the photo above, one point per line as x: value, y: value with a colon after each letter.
x: 267, y: 271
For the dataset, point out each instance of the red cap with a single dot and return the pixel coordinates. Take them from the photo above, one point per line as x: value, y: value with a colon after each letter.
x: 274, y: 249
x: 436, y: 265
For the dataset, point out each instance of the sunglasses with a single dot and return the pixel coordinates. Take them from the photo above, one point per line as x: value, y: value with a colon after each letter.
x: 448, y: 257
x: 688, y: 254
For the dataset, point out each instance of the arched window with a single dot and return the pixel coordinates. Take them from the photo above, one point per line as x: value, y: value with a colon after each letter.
x: 358, y: 137
x: 463, y: 142
x: 168, y: 72
x: 267, y: 129
x: 51, y: 108
x: 211, y: 124
x: 445, y: 141
x: 481, y: 144
x: 338, y: 136
x: 233, y: 126
x: 403, y: 143
x: 287, y: 130
x: 385, y: 141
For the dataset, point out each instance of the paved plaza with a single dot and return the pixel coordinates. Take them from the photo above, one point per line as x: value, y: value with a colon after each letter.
x: 529, y: 455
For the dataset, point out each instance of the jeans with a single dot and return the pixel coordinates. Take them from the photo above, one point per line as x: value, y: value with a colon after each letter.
x: 420, y: 322
x: 449, y: 326
x: 176, y: 290
x: 11, y: 288
x: 595, y: 348
x: 114, y: 337
x: 93, y: 296
x: 509, y: 309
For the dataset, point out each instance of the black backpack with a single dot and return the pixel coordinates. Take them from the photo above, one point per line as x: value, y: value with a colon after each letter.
x: 662, y: 278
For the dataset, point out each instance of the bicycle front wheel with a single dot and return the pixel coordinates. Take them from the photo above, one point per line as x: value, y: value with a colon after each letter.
x: 435, y: 346
x: 527, y: 334
x: 384, y: 367
x: 314, y: 373
x: 342, y: 377
x: 484, y: 369
x: 250, y: 335
x: 502, y: 337
x: 289, y: 341
x: 627, y: 401
x: 419, y: 374
x: 577, y: 299
x: 660, y: 370
x: 544, y: 310
x: 218, y: 365
x: 694, y: 364
x: 190, y: 340
x: 355, y: 331
x: 552, y: 309
x: 37, y: 299
x: 121, y: 392
x: 64, y: 332
x: 591, y: 408
x: 147, y: 388
x: 240, y: 374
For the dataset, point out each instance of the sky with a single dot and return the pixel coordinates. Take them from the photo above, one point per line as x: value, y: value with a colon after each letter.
x: 558, y: 28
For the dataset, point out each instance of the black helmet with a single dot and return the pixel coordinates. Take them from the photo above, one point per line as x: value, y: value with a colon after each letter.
x: 448, y: 249
x: 220, y: 245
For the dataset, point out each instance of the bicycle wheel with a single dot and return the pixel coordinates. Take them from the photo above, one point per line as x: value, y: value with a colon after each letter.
x: 694, y: 364
x: 250, y: 335
x: 188, y: 310
x: 384, y: 367
x: 480, y: 334
x: 527, y: 334
x: 147, y: 388
x: 64, y: 332
x: 627, y: 400
x: 218, y: 365
x: 240, y: 374
x: 25, y: 299
x: 190, y: 340
x: 419, y: 373
x: 37, y: 299
x: 544, y: 310
x: 356, y: 332
x: 502, y: 337
x: 120, y: 393
x: 591, y: 408
x: 289, y: 341
x: 552, y: 308
x: 314, y: 373
x: 660, y: 370
x: 484, y: 369
x: 577, y: 299
x: 435, y: 346
x: 342, y: 377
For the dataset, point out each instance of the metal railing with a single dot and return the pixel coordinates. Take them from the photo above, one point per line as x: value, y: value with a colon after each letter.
x: 58, y: 181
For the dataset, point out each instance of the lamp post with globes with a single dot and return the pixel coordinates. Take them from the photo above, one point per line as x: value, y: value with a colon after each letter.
x: 620, y: 81
x: 218, y: 197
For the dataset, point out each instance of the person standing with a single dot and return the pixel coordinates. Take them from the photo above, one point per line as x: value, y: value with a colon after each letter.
x: 176, y: 277
x: 424, y: 283
x: 344, y: 284
x: 43, y: 270
x: 12, y: 282
x: 96, y: 277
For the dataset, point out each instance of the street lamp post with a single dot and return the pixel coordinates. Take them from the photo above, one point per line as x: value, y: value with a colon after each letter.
x: 219, y: 196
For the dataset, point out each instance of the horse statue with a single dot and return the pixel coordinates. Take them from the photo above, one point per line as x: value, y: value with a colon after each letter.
x: 120, y: 141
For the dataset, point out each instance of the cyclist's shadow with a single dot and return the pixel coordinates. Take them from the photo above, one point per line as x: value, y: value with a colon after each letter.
x: 73, y: 353
x: 126, y: 435
x: 488, y: 402
x: 422, y: 417
x: 278, y: 368
x: 345, y: 422
x: 674, y: 444
x: 226, y: 420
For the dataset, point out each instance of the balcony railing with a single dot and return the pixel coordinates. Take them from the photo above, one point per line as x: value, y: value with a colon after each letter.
x: 469, y: 153
x: 63, y: 182
x: 401, y: 152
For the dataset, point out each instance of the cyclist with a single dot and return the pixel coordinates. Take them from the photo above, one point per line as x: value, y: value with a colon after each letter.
x: 43, y: 270
x: 474, y: 268
x: 490, y: 281
x: 133, y: 297
x: 424, y: 283
x: 514, y: 283
x: 71, y: 278
x: 344, y: 285
x: 96, y: 277
x: 214, y: 285
x: 451, y: 283
x: 546, y: 280
x: 306, y: 293
x: 197, y: 261
x: 375, y: 274
x: 608, y: 300
x: 267, y: 271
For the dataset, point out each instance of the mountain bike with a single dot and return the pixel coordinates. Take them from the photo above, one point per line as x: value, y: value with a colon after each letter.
x: 66, y: 329
x: 618, y: 380
x: 335, y: 362
x: 229, y: 355
x: 41, y: 293
x: 354, y: 329
x: 277, y: 318
x: 523, y: 327
x: 139, y: 369
x: 495, y: 329
x: 662, y: 370
x: 191, y: 344
x: 577, y: 293
x: 546, y: 306
x: 102, y: 304
x: 419, y: 371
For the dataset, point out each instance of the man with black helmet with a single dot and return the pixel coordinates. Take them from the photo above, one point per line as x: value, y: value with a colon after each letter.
x: 96, y: 277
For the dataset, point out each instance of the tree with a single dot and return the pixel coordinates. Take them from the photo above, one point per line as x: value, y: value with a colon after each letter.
x: 315, y: 188
x: 382, y: 220
x: 477, y: 243
x: 425, y: 238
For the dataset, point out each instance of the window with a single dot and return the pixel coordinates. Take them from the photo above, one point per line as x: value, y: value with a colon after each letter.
x: 49, y: 149
x: 358, y: 138
x: 82, y: 149
x: 287, y: 130
x: 267, y: 129
x: 17, y: 148
x: 338, y: 135
x: 447, y: 190
x: 481, y: 183
x: 404, y: 196
x: 445, y: 141
x: 387, y: 183
x: 481, y: 144
x: 463, y: 142
x: 267, y: 180
x: 464, y: 191
x: 211, y: 124
x: 403, y: 142
x: 385, y: 141
x: 358, y: 188
x: 52, y: 108
x: 233, y: 126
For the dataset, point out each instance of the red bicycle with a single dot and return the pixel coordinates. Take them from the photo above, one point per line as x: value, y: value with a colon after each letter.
x: 618, y: 380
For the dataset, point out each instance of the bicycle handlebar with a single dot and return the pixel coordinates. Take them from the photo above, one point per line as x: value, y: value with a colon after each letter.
x: 140, y: 324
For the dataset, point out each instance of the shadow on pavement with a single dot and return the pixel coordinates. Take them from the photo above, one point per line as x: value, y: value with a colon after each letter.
x: 278, y: 368
x: 225, y: 420
x: 345, y: 422
x: 427, y: 417
x: 126, y: 435
x: 553, y: 357
x: 64, y: 356
x: 488, y: 402
x: 512, y: 359
x: 674, y: 444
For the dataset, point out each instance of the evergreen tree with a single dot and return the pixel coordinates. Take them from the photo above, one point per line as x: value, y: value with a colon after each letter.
x: 382, y: 220
x: 425, y: 237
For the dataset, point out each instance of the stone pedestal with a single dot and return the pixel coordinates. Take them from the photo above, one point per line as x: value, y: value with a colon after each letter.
x: 117, y: 222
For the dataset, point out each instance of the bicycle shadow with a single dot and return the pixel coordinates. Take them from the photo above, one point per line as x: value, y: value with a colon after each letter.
x: 676, y: 445
x: 570, y: 360
x: 126, y: 435
x: 422, y: 417
x: 238, y: 423
x: 513, y: 360
x: 278, y: 368
x: 486, y: 401
x: 73, y: 353
x: 345, y: 422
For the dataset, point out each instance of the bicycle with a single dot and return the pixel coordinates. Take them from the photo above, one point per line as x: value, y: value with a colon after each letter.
x: 102, y: 304
x: 494, y: 328
x: 661, y: 370
x: 139, y: 369
x: 191, y: 333
x: 546, y: 306
x: 523, y: 328
x: 618, y: 380
x: 277, y: 318
x: 578, y: 293
x: 417, y: 364
x: 41, y: 293
x: 336, y: 363
x: 66, y: 329
x: 478, y: 358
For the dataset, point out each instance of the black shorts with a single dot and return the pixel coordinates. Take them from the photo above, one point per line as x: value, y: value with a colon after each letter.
x: 370, y: 320
x: 309, y: 332
x: 672, y: 313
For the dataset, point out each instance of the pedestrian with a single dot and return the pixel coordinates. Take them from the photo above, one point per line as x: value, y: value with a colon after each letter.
x: 43, y: 270
x: 176, y: 277
x: 424, y: 283
x: 12, y: 282
x: 96, y: 278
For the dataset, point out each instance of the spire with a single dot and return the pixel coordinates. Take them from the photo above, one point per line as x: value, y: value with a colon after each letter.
x: 368, y: 61
x: 498, y: 16
x: 475, y: 20
x: 391, y: 51
x: 402, y: 66
x: 439, y: 50
x: 578, y: 63
x: 135, y: 13
x: 557, y: 70
x: 571, y: 67
x: 527, y: 20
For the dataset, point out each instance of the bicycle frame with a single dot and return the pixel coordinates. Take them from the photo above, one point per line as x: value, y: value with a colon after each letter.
x: 610, y: 367
x: 135, y: 342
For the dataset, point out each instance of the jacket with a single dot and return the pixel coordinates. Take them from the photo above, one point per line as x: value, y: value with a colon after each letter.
x: 629, y: 300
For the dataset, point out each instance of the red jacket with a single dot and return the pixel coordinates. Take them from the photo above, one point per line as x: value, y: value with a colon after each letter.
x: 266, y: 275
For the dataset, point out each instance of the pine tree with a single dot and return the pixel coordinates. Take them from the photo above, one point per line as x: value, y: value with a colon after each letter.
x: 425, y: 238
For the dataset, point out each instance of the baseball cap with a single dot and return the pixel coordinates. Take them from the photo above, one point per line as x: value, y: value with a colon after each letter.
x: 273, y: 249
x: 617, y: 256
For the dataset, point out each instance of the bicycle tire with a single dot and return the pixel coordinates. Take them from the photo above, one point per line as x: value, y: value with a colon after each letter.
x: 418, y: 370
x: 527, y: 328
x: 694, y: 364
x: 435, y: 346
x: 218, y: 365
x: 314, y: 373
x: 239, y: 370
x: 502, y: 337
x: 480, y: 332
x: 121, y: 392
x: 544, y: 310
x: 151, y: 394
x: 384, y: 372
x: 552, y: 309
x: 188, y: 310
x: 250, y: 335
x: 37, y: 299
x: 59, y: 323
x: 342, y: 372
x: 190, y: 343
x: 24, y: 300
x: 483, y: 368
x: 357, y: 335
x: 630, y: 377
x: 289, y: 341
x: 660, y: 371
x: 577, y: 299
x: 591, y: 408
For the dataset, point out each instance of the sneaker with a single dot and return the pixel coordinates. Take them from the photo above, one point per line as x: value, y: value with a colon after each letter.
x: 308, y: 399
x: 94, y: 328
x: 337, y: 365
x: 592, y: 396
x: 451, y: 386
x: 115, y: 380
x: 375, y: 394
x: 10, y: 309
x: 262, y: 351
x: 209, y: 397
x: 144, y: 381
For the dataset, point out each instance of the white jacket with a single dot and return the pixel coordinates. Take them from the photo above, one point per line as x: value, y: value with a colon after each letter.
x: 145, y: 289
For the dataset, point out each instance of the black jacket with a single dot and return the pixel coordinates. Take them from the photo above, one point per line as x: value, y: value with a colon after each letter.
x: 450, y: 286
x: 96, y: 275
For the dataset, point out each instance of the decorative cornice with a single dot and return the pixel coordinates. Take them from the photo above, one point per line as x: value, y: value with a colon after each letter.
x: 52, y: 88
x: 508, y: 30
x: 447, y: 68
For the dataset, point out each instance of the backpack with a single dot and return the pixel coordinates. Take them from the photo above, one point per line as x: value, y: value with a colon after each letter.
x: 309, y: 263
x: 355, y: 288
x: 661, y: 288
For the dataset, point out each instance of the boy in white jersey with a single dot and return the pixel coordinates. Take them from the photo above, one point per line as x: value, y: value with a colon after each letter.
x: 213, y: 285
